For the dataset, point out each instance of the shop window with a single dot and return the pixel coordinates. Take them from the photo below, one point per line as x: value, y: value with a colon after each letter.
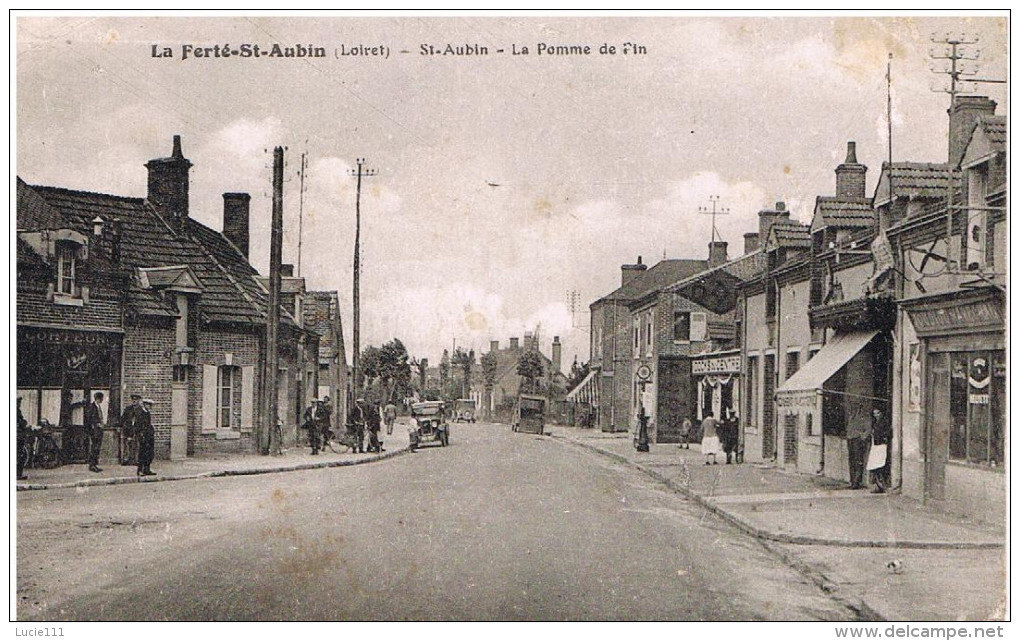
x: 682, y: 326
x: 752, y: 391
x: 976, y: 407
x: 67, y: 258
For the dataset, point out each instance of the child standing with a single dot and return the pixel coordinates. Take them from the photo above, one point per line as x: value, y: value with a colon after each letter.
x: 685, y: 434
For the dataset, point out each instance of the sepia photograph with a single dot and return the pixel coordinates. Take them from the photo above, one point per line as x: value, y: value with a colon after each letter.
x: 510, y: 317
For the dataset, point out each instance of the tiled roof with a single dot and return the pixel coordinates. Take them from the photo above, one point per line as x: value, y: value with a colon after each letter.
x: 28, y: 257
x: 715, y: 289
x: 919, y: 179
x: 230, y: 294
x: 792, y: 233
x: 995, y: 128
x: 845, y: 212
x: 661, y: 275
x: 33, y: 212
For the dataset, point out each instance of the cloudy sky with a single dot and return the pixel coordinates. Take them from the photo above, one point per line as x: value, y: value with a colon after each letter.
x: 596, y: 159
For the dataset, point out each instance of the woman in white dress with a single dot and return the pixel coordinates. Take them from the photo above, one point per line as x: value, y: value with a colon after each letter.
x: 710, y: 438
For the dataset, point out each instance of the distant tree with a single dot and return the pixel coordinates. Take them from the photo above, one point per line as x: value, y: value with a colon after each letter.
x: 489, y: 364
x: 465, y: 360
x: 394, y: 369
x: 444, y: 369
x: 369, y: 367
x: 530, y: 368
x: 577, y: 374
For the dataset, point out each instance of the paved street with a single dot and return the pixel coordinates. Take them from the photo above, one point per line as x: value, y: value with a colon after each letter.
x: 496, y: 526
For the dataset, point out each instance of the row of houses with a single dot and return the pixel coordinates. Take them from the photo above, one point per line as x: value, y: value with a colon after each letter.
x: 125, y: 295
x: 893, y: 300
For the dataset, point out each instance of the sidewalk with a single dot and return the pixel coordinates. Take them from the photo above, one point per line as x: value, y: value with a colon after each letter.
x: 209, y: 466
x: 948, y: 568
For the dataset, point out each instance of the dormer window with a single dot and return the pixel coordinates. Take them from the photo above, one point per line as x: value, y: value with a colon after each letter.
x: 67, y: 256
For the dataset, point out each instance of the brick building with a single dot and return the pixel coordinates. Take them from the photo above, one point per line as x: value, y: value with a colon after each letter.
x: 177, y: 305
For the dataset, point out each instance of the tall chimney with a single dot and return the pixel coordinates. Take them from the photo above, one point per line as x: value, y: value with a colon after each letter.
x: 964, y: 114
x: 767, y: 217
x: 557, y: 354
x: 630, y: 272
x: 850, y: 176
x: 493, y: 346
x: 236, y: 208
x: 750, y: 242
x: 514, y: 344
x: 716, y: 253
x: 168, y: 186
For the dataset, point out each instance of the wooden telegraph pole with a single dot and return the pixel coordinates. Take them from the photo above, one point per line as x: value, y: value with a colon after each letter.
x: 271, y: 444
x: 356, y: 359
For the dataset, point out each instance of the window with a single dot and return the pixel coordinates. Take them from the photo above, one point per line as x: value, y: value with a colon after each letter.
x: 812, y: 352
x: 229, y: 376
x: 976, y: 219
x: 180, y: 373
x: 751, y: 412
x: 792, y: 363
x: 182, y: 321
x: 976, y: 407
x: 699, y: 326
x: 648, y: 333
x: 637, y: 337
x: 66, y: 259
x: 681, y: 326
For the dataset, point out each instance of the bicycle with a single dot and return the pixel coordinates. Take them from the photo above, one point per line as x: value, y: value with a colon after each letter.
x: 42, y: 449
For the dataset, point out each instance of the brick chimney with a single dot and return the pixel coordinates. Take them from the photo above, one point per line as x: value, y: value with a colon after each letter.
x: 631, y: 271
x: 716, y: 253
x: 750, y: 242
x: 850, y: 176
x: 286, y: 270
x: 168, y: 186
x: 514, y: 344
x: 767, y: 217
x: 557, y: 354
x: 530, y: 343
x: 962, y: 117
x: 236, y: 208
x: 493, y: 346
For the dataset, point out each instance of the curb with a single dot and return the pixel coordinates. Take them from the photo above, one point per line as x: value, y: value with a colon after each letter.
x: 779, y: 537
x: 125, y: 480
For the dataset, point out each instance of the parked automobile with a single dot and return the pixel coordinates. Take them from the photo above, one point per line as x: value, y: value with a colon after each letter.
x: 529, y: 414
x: 464, y: 410
x: 433, y: 426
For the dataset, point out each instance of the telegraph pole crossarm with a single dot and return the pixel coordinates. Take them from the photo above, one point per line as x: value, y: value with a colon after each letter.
x: 714, y: 212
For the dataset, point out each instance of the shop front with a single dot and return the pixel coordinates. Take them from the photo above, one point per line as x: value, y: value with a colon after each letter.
x: 964, y: 400
x: 717, y: 382
x: 58, y: 372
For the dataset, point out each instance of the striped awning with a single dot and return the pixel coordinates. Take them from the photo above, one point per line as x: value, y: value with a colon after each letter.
x: 587, y: 391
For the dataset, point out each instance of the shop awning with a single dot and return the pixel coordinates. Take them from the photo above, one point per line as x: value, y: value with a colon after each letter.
x: 587, y: 390
x: 826, y: 362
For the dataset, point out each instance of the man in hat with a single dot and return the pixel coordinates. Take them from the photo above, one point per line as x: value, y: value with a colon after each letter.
x: 127, y: 423
x: 356, y: 425
x: 326, y: 421
x: 94, y: 428
x: 313, y: 424
x: 145, y: 435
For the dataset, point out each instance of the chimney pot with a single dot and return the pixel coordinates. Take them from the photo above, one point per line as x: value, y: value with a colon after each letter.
x: 851, y: 175
x: 514, y: 344
x: 851, y: 153
x: 780, y: 206
x: 493, y: 346
x: 287, y: 270
x: 750, y: 242
x: 168, y: 186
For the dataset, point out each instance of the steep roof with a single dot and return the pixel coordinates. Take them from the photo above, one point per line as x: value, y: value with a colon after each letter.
x: 791, y: 233
x: 987, y: 139
x: 661, y: 275
x: 230, y: 292
x: 832, y: 211
x: 33, y: 212
x: 715, y: 289
x: 914, y: 180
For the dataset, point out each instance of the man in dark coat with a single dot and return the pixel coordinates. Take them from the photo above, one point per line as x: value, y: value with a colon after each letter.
x: 127, y: 424
x: 313, y: 424
x: 881, y: 434
x: 356, y: 425
x: 326, y: 421
x: 94, y: 429
x: 145, y: 434
x: 728, y: 436
x: 373, y: 422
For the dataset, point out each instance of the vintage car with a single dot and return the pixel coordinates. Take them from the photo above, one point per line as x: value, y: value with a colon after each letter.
x: 432, y: 424
x: 464, y: 410
x: 529, y: 414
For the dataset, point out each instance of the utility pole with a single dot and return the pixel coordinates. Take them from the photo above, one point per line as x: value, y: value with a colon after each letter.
x: 301, y: 210
x: 957, y: 50
x: 888, y: 113
x: 359, y: 173
x: 271, y: 444
x: 722, y: 212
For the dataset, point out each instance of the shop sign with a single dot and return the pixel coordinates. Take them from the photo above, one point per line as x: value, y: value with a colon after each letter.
x: 978, y: 399
x: 62, y: 337
x: 719, y: 365
x: 800, y: 398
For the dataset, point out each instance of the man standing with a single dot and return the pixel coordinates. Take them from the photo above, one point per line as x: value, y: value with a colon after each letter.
x: 373, y: 424
x: 94, y: 429
x: 127, y: 423
x: 389, y: 415
x: 326, y: 410
x: 313, y: 424
x: 858, y: 439
x: 356, y: 425
x: 881, y: 434
x: 145, y: 434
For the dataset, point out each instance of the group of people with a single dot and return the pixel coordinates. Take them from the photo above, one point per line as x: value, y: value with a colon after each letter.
x: 716, y: 437
x: 365, y: 419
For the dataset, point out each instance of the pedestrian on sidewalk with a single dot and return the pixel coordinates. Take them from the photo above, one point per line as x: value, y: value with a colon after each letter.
x: 389, y: 416
x: 728, y: 436
x: 858, y: 440
x: 641, y: 442
x: 373, y: 423
x: 327, y: 422
x: 313, y: 424
x: 710, y: 438
x: 412, y: 431
x: 145, y: 435
x: 685, y: 434
x: 356, y: 425
x: 94, y: 429
x: 878, y: 459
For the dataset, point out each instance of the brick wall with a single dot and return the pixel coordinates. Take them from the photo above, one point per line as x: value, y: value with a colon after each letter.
x: 148, y: 350
x: 213, y: 344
